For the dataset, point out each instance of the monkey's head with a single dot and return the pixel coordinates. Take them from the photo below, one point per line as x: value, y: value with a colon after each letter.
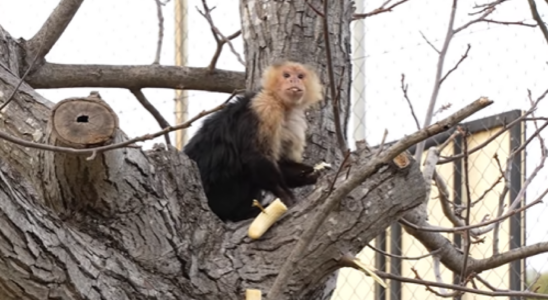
x: 293, y: 83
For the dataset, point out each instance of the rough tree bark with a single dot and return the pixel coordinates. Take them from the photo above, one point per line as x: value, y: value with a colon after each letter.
x: 130, y: 224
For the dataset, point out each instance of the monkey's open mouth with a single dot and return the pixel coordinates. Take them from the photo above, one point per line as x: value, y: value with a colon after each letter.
x: 294, y: 89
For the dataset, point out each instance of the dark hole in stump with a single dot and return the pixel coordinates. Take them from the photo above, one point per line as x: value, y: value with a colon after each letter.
x: 82, y: 119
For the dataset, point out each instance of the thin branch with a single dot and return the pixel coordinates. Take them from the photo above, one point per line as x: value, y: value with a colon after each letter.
x: 460, y: 288
x: 477, y: 20
x: 220, y: 44
x: 356, y: 179
x: 153, y: 111
x: 429, y: 43
x: 485, y: 6
x: 437, y: 272
x: 128, y: 143
x: 484, y: 223
x: 381, y: 146
x: 54, y: 27
x: 538, y: 19
x: 519, y: 23
x: 51, y: 76
x: 443, y: 294
x: 160, y: 31
x: 496, y: 226
x: 462, y: 58
x: 219, y: 37
x: 379, y: 10
x: 16, y: 88
x: 501, y: 131
x: 436, y: 88
x: 466, y: 235
x: 404, y: 90
x: 403, y: 257
x: 442, y: 108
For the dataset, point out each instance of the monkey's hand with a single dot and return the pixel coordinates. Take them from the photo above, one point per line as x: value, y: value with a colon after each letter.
x: 322, y: 165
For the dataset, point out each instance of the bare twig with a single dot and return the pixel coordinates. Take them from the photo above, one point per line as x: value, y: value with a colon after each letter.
x: 381, y: 146
x: 442, y: 108
x: 16, y: 88
x: 219, y: 37
x: 488, y: 190
x: 219, y: 49
x: 501, y: 131
x: 356, y: 179
x: 317, y: 11
x: 486, y: 6
x: 443, y: 294
x: 496, y: 226
x: 538, y: 19
x: 461, y: 288
x: 481, y: 18
x: 128, y: 143
x: 404, y: 90
x: 519, y: 23
x: 403, y: 257
x: 153, y: 111
x: 436, y: 88
x: 462, y: 58
x: 429, y: 43
x: 160, y: 31
x: 379, y: 10
x: 466, y: 236
x: 437, y: 271
x: 54, y: 27
x: 484, y: 223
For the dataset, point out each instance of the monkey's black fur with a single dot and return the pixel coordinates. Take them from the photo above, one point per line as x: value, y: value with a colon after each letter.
x: 233, y: 169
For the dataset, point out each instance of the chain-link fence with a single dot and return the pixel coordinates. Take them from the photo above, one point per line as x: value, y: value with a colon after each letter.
x: 503, y: 63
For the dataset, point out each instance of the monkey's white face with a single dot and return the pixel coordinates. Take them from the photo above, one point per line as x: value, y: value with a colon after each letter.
x: 292, y: 86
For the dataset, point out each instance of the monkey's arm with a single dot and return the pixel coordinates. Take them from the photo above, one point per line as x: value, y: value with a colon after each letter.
x: 267, y: 176
x: 297, y: 174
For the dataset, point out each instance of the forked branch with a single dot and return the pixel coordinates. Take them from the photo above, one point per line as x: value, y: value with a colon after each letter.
x: 219, y: 37
x: 382, y: 9
x: 54, y: 27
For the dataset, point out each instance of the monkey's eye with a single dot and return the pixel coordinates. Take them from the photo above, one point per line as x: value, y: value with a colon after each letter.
x: 286, y: 75
x: 301, y: 76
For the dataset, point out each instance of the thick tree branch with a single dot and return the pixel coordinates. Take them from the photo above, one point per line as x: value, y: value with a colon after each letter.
x: 54, y: 27
x: 127, y: 143
x: 507, y: 257
x: 51, y: 76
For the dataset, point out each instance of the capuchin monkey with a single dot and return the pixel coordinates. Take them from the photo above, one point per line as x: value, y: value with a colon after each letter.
x: 256, y: 143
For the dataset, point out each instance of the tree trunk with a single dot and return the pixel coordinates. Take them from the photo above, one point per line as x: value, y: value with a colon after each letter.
x: 133, y: 224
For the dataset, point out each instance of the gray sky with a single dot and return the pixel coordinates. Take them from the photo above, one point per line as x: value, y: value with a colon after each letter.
x: 503, y: 63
